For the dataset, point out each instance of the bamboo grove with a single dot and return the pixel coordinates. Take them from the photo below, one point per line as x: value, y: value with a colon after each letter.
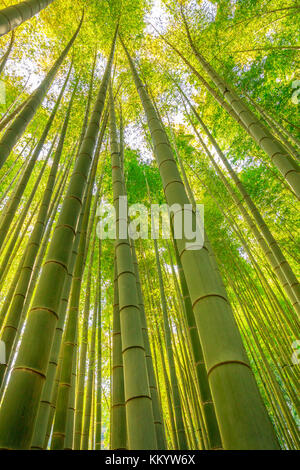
x: 139, y: 342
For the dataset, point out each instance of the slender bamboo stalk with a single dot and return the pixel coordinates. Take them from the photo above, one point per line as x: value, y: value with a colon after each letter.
x: 139, y: 412
x: 158, y: 421
x: 7, y: 53
x: 8, y: 118
x: 118, y: 411
x: 98, y: 424
x: 89, y: 387
x: 14, y: 314
x: 277, y: 127
x: 80, y: 390
x: 12, y: 288
x: 180, y: 430
x: 23, y: 215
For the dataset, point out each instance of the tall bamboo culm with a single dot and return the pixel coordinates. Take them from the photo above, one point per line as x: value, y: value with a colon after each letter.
x: 231, y: 379
x: 138, y: 403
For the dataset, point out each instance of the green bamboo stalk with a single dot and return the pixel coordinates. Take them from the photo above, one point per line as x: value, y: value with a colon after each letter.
x: 10, y: 186
x: 118, y: 411
x: 15, y: 311
x: 52, y: 213
x: 230, y: 218
x: 260, y: 239
x: 277, y: 127
x: 12, y: 204
x: 202, y: 379
x: 180, y: 430
x: 13, y: 285
x: 168, y: 390
x: 138, y: 403
x: 80, y: 390
x: 98, y: 424
x: 9, y: 117
x: 232, y: 383
x: 69, y: 438
x: 14, y: 15
x: 4, y: 177
x: 89, y: 386
x: 50, y: 391
x: 13, y: 103
x: 159, y: 426
x: 23, y: 215
x: 83, y: 349
x: 41, y: 424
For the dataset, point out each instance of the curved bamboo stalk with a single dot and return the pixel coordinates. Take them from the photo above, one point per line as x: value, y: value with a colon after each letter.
x: 98, y: 429
x: 7, y: 53
x: 14, y: 15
